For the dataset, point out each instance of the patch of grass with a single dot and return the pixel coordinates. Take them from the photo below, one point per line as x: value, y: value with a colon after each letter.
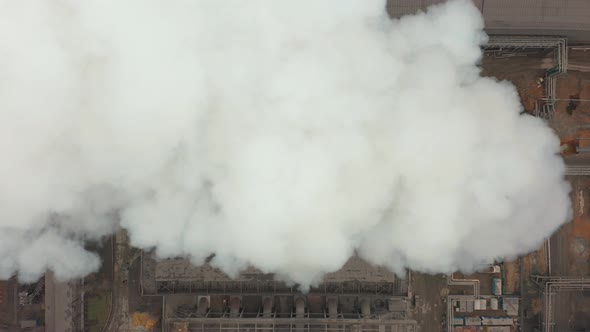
x: 96, y: 311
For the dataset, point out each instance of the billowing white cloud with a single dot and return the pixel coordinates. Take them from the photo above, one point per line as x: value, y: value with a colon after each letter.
x: 282, y: 134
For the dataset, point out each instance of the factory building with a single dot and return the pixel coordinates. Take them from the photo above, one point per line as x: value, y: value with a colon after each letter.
x: 359, y: 297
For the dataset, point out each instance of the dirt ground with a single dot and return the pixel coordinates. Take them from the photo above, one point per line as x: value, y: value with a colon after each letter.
x: 581, y: 207
x: 578, y: 232
x: 572, y: 253
x: 580, y: 321
x: 572, y: 118
x: 523, y: 71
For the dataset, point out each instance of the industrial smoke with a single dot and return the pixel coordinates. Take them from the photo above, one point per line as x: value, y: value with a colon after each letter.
x: 283, y: 134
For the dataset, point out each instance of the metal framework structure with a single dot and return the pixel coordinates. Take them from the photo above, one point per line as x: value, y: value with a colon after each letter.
x: 577, y: 170
x: 294, y: 324
x: 261, y: 287
x: 187, y: 319
x: 227, y: 314
x: 545, y: 107
x: 552, y: 285
x: 451, y: 281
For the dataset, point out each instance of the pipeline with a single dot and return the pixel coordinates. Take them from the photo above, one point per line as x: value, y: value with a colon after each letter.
x: 559, y: 283
x: 459, y: 282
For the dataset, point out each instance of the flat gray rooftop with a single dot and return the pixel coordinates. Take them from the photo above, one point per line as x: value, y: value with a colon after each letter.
x: 568, y: 18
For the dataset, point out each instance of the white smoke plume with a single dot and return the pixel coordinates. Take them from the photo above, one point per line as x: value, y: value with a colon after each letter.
x: 276, y: 133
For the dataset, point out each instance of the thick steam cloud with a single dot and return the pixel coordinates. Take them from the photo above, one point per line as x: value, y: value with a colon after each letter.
x: 281, y: 134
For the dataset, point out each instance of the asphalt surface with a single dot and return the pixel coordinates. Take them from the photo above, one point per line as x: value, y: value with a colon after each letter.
x: 119, y: 319
x: 108, y: 268
x: 430, y: 313
x: 560, y: 266
x: 560, y: 260
x: 58, y: 305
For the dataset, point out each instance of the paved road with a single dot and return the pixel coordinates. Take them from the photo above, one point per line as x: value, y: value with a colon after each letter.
x: 110, y: 264
x: 119, y: 320
x: 560, y: 266
x: 560, y: 258
x: 58, y: 305
x: 430, y: 314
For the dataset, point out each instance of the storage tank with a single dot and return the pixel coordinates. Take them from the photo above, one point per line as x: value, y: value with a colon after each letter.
x: 497, y: 286
x: 476, y: 305
x: 483, y: 304
x: 494, y: 304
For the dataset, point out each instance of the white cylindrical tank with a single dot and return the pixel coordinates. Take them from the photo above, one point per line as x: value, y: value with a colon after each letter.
x: 497, y: 286
x: 476, y: 305
x: 494, y: 304
x: 483, y: 304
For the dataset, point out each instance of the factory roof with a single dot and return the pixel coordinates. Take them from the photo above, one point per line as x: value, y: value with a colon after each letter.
x: 181, y: 269
x: 550, y: 17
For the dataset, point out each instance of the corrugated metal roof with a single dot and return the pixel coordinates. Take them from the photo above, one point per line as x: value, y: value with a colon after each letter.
x: 497, y: 321
x: 568, y: 18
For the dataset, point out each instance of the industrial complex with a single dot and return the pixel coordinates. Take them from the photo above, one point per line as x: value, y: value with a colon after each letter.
x: 204, y: 299
x: 547, y: 56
